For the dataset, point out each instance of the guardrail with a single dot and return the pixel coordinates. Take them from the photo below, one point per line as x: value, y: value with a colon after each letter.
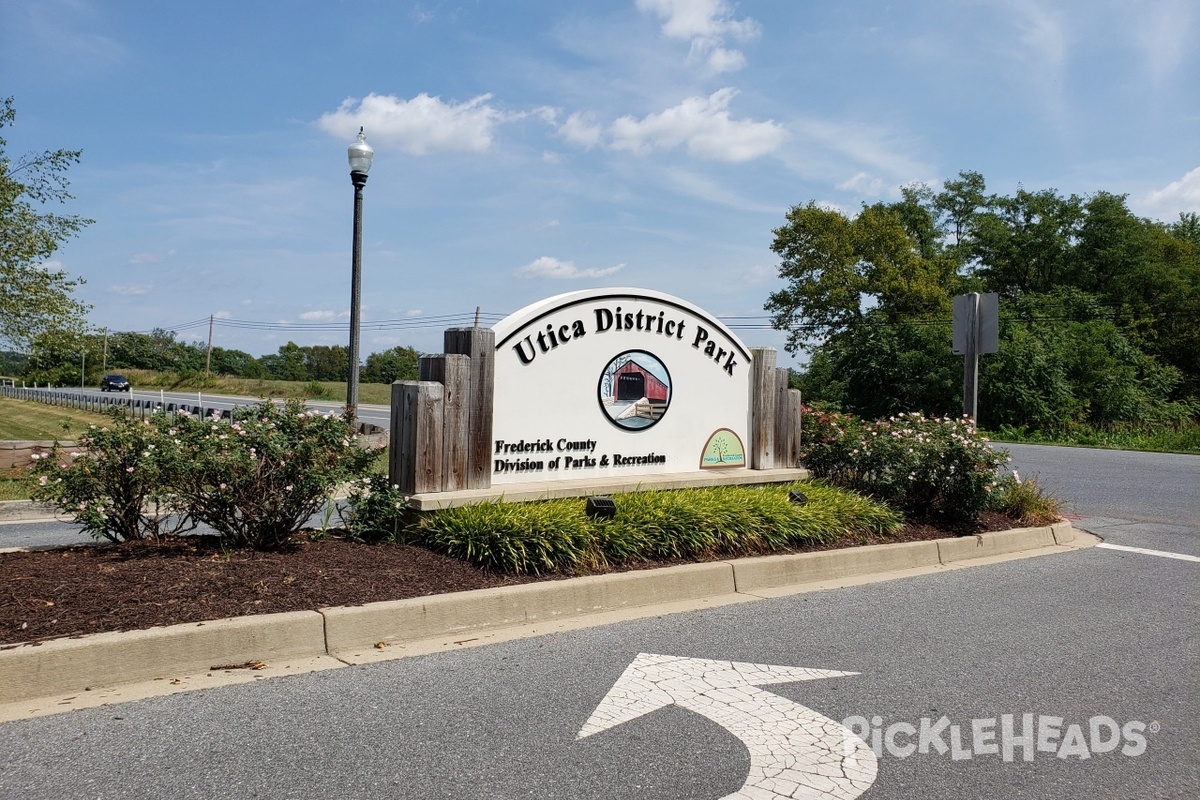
x: 136, y: 406
x: 88, y: 402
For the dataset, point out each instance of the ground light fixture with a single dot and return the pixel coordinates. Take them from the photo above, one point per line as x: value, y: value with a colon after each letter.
x: 360, y: 154
x: 799, y: 498
x: 600, y: 507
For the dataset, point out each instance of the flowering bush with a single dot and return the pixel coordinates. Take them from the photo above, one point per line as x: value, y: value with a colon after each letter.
x: 921, y: 465
x: 375, y: 509
x: 255, y: 480
x: 118, y: 483
x: 258, y: 478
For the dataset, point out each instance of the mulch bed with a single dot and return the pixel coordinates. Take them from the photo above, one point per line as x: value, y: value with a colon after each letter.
x: 88, y: 589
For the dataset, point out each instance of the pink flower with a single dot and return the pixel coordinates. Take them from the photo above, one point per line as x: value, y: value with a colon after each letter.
x: 129, y: 469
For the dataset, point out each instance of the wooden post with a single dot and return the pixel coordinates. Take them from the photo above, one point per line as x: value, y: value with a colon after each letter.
x: 480, y: 345
x: 795, y: 403
x: 453, y: 373
x: 785, y: 430
x: 762, y: 408
x: 415, y: 457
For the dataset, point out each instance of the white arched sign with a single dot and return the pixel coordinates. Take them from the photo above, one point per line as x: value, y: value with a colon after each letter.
x: 617, y: 382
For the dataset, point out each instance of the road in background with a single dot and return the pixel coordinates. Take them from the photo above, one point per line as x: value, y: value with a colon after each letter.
x: 377, y: 415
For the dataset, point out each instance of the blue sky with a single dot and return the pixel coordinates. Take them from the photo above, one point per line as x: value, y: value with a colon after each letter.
x: 527, y: 148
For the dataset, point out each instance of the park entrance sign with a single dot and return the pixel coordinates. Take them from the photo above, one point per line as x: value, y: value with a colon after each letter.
x: 617, y: 382
x: 606, y: 386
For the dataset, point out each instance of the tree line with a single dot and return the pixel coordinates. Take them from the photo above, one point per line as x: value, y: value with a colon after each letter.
x: 1099, y: 308
x: 64, y: 360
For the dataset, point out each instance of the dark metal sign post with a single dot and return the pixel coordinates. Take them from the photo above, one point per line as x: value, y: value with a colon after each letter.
x: 976, y: 331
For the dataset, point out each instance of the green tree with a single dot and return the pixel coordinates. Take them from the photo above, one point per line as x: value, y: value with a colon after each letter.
x: 396, y: 364
x: 1100, y: 308
x: 327, y: 363
x: 837, y: 268
x: 237, y: 363
x: 287, y: 365
x: 880, y: 368
x: 34, y: 300
x: 1024, y: 243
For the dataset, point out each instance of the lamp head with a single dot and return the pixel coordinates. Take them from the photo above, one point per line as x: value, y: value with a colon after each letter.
x: 360, y: 154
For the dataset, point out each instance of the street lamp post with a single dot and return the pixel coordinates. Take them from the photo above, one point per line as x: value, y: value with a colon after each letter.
x: 360, y: 154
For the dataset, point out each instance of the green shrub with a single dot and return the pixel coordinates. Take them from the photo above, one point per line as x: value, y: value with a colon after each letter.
x: 925, y: 467
x: 684, y: 524
x: 118, y: 483
x: 520, y: 537
x: 258, y: 478
x: 375, y: 510
x: 1024, y: 500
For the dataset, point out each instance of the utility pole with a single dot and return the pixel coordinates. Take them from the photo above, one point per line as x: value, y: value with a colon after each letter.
x: 208, y: 355
x: 104, y: 360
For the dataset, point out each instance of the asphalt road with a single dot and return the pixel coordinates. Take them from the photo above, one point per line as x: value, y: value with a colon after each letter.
x: 1097, y: 646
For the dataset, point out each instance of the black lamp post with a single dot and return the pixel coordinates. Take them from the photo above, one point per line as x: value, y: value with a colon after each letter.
x: 360, y: 154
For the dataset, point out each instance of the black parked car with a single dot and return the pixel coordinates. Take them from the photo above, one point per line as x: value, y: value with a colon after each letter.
x: 114, y: 383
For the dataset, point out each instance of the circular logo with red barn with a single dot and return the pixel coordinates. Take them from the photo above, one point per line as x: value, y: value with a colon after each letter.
x: 635, y: 390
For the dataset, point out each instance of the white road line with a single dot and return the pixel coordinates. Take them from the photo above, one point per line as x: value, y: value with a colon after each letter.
x: 1144, y: 551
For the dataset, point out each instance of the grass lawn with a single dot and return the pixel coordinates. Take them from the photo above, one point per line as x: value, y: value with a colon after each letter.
x: 22, y: 419
x: 25, y: 420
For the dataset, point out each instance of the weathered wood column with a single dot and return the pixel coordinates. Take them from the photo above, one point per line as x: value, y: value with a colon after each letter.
x: 452, y: 371
x: 480, y: 345
x: 415, y: 459
x: 785, y: 424
x: 762, y: 408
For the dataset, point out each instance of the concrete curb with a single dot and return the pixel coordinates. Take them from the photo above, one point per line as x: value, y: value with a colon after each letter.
x: 74, y: 665
x: 63, y: 666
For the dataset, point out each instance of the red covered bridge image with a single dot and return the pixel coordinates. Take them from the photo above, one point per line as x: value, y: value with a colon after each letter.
x: 635, y: 389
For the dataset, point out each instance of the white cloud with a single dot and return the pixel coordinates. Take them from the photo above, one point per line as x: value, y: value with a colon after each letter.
x: 706, y: 24
x: 863, y: 183
x: 317, y: 316
x: 548, y: 267
x: 579, y: 129
x: 702, y: 124
x: 132, y: 289
x: 418, y: 126
x: 413, y: 312
x: 1176, y: 197
x: 722, y: 60
x: 223, y: 315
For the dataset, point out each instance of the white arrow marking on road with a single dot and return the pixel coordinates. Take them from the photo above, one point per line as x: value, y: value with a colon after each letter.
x: 794, y: 751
